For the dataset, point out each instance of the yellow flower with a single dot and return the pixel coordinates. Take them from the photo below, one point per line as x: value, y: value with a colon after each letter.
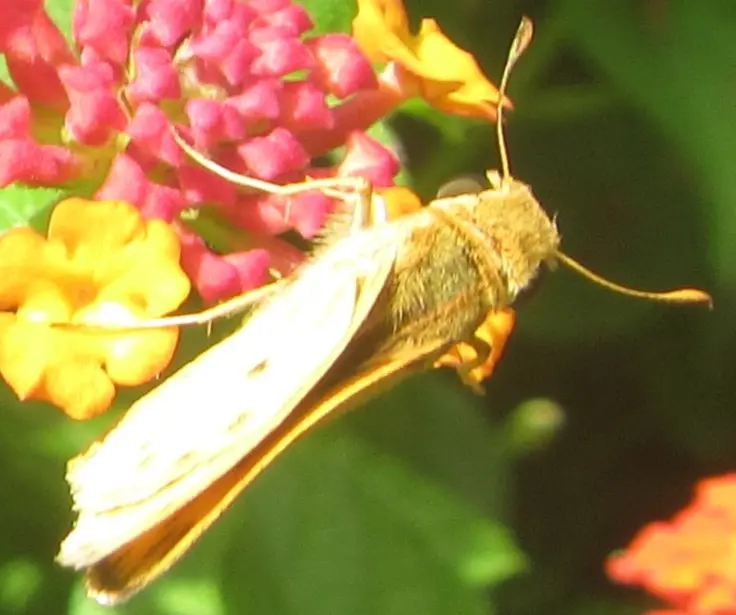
x: 445, y: 75
x: 101, y: 263
x: 399, y: 201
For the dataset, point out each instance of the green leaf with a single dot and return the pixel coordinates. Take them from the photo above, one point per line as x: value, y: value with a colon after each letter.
x: 330, y: 15
x: 61, y: 13
x: 23, y: 206
x: 673, y: 67
x: 191, y: 590
x: 192, y: 587
x: 19, y: 580
x: 438, y: 428
x: 339, y: 527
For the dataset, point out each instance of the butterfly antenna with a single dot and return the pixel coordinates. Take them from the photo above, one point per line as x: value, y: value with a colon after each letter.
x: 681, y: 295
x: 518, y: 46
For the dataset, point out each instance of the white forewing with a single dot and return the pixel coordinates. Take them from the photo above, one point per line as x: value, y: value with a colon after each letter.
x: 201, y: 421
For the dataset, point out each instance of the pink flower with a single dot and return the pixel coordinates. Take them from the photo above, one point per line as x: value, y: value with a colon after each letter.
x: 221, y: 67
x: 243, y: 82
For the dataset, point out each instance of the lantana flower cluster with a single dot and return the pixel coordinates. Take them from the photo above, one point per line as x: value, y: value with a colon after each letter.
x: 131, y: 267
x: 245, y: 84
x: 689, y: 561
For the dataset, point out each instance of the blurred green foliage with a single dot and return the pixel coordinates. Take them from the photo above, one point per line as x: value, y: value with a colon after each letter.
x: 600, y: 418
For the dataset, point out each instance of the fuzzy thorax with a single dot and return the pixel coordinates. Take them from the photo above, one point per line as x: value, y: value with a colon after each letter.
x: 519, y: 230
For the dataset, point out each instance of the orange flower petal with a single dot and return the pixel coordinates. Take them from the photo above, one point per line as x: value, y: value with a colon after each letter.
x: 445, y: 75
x: 494, y: 331
x: 452, y: 81
x: 82, y: 389
x: 399, y: 201
x: 22, y: 351
x: 91, y: 231
x: 689, y: 561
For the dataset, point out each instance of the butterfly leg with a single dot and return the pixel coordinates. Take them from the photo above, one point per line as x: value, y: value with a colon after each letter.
x: 365, y: 213
x: 475, y: 359
x: 230, y: 307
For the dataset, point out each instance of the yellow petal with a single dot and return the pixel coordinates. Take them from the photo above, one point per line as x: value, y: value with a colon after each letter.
x: 447, y: 76
x: 153, y: 351
x: 399, y: 201
x: 130, y: 358
x: 100, y: 258
x: 92, y: 231
x: 45, y: 302
x: 81, y: 388
x: 25, y: 349
x: 153, y: 279
x: 452, y: 81
x: 381, y: 30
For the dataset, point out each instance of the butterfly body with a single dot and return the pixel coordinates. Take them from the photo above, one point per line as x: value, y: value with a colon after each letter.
x: 374, y: 304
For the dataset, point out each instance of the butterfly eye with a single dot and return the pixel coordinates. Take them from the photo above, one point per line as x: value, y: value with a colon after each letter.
x: 465, y: 184
x: 532, y: 288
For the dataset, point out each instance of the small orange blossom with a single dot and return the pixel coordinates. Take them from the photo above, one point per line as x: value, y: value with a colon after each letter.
x: 690, y: 560
x: 442, y: 73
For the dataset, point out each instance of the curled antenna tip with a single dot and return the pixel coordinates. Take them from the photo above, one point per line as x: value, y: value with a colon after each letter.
x: 689, y: 295
x: 521, y: 41
x: 680, y: 295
